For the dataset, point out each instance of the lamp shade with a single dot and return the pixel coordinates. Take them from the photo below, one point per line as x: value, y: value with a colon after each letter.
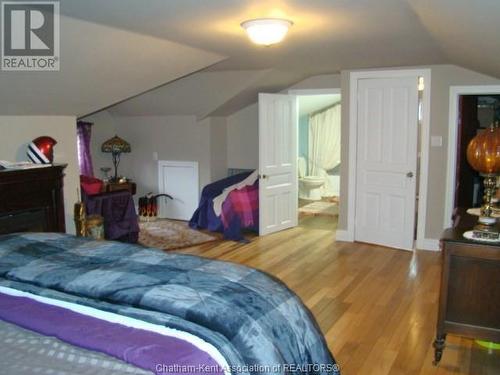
x: 483, y: 151
x: 116, y: 145
x: 267, y: 31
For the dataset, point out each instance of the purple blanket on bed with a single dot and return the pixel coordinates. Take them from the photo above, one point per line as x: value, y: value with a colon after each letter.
x: 240, y: 211
x: 144, y: 349
x: 204, y: 217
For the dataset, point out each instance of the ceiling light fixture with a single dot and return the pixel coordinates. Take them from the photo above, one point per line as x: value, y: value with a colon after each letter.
x: 266, y: 31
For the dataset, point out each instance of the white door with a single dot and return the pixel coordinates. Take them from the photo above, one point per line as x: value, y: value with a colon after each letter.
x: 386, y: 161
x: 180, y: 180
x: 278, y: 184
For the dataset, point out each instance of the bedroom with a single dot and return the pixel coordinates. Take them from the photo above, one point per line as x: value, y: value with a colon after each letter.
x: 199, y: 77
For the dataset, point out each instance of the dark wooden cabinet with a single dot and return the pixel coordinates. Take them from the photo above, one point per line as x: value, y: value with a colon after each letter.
x: 32, y: 200
x: 469, y: 302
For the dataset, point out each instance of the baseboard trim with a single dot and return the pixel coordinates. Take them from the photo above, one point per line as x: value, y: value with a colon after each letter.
x: 429, y: 244
x: 343, y: 235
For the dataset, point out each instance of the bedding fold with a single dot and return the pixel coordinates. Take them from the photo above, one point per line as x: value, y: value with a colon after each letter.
x: 143, y: 348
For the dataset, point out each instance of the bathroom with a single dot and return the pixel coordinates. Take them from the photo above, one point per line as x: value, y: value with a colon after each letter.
x: 319, y: 160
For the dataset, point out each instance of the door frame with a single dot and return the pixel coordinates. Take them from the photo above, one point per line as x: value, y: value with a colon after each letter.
x: 312, y: 92
x: 455, y: 93
x: 354, y: 77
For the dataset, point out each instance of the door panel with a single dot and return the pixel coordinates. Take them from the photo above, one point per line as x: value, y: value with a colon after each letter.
x: 277, y: 162
x: 179, y: 179
x: 386, y: 161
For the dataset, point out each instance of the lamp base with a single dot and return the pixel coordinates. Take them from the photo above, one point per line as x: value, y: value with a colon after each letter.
x: 486, y: 229
x: 487, y: 220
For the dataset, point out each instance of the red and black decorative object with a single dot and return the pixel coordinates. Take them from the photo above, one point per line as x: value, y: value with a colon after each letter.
x: 41, y: 150
x: 148, y: 206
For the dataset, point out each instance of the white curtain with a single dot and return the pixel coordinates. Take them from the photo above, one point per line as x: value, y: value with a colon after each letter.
x: 324, y: 141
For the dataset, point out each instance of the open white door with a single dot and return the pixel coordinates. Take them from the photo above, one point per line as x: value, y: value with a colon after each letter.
x: 386, y: 161
x: 278, y: 184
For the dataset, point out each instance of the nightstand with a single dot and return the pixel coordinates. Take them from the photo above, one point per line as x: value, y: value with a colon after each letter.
x: 469, y: 301
x: 116, y: 186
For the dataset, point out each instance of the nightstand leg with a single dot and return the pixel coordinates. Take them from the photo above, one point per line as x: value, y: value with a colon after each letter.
x: 439, y: 344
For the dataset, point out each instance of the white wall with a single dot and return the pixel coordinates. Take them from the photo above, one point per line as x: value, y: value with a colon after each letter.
x: 104, y: 128
x: 243, y: 138
x: 180, y: 138
x: 323, y: 81
x: 218, y: 147
x: 18, y: 131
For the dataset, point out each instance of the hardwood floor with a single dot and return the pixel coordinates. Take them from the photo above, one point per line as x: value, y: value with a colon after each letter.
x: 376, y: 306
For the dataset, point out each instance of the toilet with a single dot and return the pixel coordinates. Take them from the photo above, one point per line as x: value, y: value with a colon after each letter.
x: 309, y: 186
x: 332, y: 186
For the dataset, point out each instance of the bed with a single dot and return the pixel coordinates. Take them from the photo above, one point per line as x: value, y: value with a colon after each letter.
x: 236, y: 319
x: 229, y: 206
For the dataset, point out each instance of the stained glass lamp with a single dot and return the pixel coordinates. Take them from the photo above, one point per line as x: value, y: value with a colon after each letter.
x: 116, y: 146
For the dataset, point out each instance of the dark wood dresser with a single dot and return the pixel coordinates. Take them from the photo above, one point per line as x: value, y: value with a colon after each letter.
x: 31, y: 200
x: 469, y: 302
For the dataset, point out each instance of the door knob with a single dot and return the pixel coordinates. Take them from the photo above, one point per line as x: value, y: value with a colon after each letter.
x: 409, y: 174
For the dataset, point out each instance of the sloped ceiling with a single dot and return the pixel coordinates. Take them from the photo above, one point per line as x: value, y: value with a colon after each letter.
x: 197, y: 94
x: 99, y: 66
x: 327, y: 36
x: 467, y: 31
x: 105, y: 53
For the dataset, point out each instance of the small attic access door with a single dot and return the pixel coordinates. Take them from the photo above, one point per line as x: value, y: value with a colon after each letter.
x: 179, y: 179
x: 278, y: 190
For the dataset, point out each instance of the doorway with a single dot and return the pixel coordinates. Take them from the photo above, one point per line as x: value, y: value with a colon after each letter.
x: 318, y: 163
x: 278, y: 158
x: 472, y: 109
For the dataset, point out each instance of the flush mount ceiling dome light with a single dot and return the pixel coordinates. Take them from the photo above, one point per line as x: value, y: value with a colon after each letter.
x: 266, y: 31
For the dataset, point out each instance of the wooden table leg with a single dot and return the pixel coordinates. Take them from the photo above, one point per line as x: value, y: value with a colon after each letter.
x: 439, y: 345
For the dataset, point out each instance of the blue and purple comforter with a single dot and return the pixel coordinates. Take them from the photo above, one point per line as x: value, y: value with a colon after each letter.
x: 240, y: 210
x: 253, y: 319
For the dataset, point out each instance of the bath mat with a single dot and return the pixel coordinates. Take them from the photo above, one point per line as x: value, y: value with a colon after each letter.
x: 320, y: 208
x: 170, y: 235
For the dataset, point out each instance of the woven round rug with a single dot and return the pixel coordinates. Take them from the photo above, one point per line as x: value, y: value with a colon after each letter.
x: 171, y: 235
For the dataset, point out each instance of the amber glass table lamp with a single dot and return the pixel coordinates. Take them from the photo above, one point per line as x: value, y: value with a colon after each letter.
x: 483, y: 154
